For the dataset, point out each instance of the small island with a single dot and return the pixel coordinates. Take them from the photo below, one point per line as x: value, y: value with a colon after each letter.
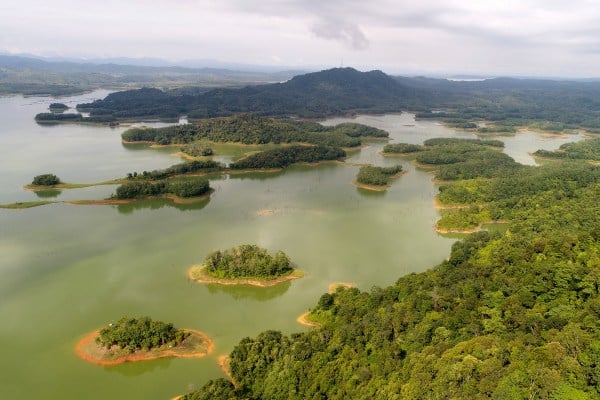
x: 58, y: 107
x: 46, y: 180
x: 140, y: 339
x: 245, y: 265
x: 376, y: 178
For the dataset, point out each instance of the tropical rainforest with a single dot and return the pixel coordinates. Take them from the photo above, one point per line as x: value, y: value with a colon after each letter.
x: 508, y: 315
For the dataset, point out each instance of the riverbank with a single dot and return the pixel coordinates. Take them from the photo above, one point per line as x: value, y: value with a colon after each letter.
x: 198, y: 344
x: 197, y: 273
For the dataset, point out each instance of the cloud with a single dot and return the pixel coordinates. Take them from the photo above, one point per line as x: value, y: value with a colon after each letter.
x: 346, y: 32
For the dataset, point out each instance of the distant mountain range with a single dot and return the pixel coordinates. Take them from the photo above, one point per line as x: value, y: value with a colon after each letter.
x: 31, y: 75
x: 340, y: 91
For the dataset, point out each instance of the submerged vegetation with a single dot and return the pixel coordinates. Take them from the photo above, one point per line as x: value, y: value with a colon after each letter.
x: 247, y: 261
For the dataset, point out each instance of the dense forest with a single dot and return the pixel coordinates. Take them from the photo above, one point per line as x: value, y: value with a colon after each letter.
x: 139, y: 333
x: 285, y: 156
x: 583, y: 150
x: 377, y: 176
x: 509, y: 315
x: 189, y: 187
x: 247, y: 261
x: 45, y: 180
x: 254, y: 129
x: 190, y: 167
x: 506, y: 102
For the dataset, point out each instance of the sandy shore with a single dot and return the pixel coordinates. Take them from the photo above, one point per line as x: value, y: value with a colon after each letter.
x: 196, y: 273
x: 303, y: 320
x: 332, y: 287
x: 88, y: 350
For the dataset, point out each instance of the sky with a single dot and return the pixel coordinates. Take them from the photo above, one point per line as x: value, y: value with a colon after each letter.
x: 480, y: 37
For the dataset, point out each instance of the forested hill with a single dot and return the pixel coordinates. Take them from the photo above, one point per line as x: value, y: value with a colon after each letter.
x: 508, y: 102
x: 318, y: 94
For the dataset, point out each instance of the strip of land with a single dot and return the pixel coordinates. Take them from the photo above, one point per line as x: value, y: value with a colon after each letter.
x: 197, y: 273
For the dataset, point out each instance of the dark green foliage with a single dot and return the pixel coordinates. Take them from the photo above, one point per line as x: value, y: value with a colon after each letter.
x: 143, y: 188
x: 219, y: 389
x: 512, y: 315
x: 549, y: 105
x: 284, y: 156
x: 58, y: 106
x: 178, y: 169
x: 189, y: 187
x: 45, y: 180
x: 378, y: 176
x: 197, y: 150
x: 56, y: 117
x: 478, y: 142
x: 313, y: 95
x: 253, y: 129
x: 247, y: 261
x: 583, y: 150
x: 139, y: 333
x: 402, y: 148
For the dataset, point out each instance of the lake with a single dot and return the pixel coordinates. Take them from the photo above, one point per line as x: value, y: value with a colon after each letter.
x: 67, y: 270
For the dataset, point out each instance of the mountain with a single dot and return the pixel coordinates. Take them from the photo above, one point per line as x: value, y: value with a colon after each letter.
x: 329, y: 92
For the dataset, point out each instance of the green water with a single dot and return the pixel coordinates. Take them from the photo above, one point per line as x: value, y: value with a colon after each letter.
x: 66, y: 270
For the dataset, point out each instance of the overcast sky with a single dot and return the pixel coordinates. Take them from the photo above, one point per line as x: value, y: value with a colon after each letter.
x: 516, y: 37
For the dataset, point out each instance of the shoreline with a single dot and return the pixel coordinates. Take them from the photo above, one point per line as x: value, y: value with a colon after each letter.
x: 303, y: 320
x: 379, y: 188
x: 333, y: 286
x: 224, y: 365
x: 81, y: 350
x: 196, y: 273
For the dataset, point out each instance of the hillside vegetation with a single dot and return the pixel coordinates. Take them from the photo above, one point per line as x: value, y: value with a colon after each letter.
x: 510, y: 315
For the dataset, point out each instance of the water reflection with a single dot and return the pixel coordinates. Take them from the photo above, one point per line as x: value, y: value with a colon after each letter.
x: 139, y: 368
x: 47, y: 193
x: 155, y: 204
x: 244, y: 292
x: 370, y: 193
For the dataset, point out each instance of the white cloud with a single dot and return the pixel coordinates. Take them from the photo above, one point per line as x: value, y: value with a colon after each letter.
x: 545, y: 37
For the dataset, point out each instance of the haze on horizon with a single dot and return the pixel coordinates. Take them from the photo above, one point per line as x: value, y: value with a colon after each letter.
x: 508, y: 37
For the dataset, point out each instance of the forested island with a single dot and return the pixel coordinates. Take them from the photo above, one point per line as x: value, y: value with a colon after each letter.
x: 245, y: 264
x: 139, y: 339
x: 254, y: 129
x: 183, y: 188
x: 47, y: 180
x: 376, y: 178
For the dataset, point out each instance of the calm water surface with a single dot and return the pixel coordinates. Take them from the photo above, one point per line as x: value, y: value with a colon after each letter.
x: 66, y: 270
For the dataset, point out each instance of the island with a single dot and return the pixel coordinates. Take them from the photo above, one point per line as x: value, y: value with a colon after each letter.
x: 46, y: 180
x: 183, y: 188
x: 58, y: 107
x: 376, y: 178
x: 245, y: 265
x: 140, y: 339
